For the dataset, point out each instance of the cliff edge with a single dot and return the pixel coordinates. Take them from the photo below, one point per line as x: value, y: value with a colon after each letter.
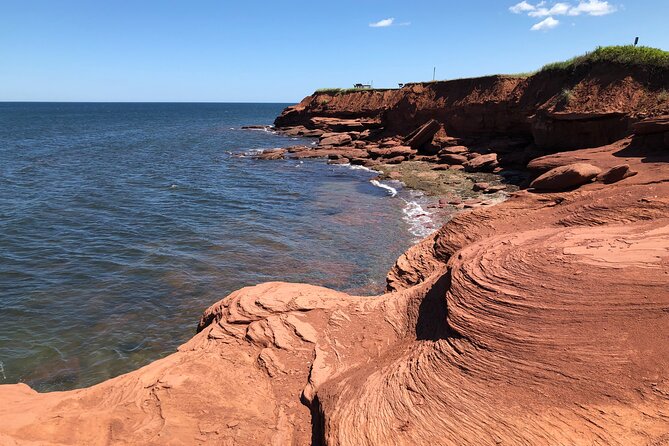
x: 543, y: 320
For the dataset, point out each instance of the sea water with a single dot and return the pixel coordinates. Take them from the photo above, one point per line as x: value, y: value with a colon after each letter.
x: 121, y: 223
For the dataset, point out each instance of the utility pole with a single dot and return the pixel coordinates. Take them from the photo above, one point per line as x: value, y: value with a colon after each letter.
x: 434, y: 73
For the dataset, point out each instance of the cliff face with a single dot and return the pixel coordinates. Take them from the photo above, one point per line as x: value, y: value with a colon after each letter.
x: 588, y: 107
x: 542, y: 320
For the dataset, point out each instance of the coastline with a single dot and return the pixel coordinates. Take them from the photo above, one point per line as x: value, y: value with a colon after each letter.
x: 547, y: 299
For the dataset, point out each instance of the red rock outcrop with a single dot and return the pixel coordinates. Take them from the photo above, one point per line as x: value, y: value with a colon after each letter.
x: 591, y: 106
x: 542, y: 320
x: 566, y: 177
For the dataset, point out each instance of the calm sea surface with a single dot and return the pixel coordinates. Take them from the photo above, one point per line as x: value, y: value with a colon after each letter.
x: 120, y: 223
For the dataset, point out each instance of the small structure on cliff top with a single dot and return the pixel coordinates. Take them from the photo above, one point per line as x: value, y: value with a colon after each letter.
x: 362, y: 85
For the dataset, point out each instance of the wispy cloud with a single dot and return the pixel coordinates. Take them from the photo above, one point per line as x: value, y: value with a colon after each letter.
x: 388, y: 22
x: 522, y: 7
x: 593, y: 7
x: 541, y: 9
x: 556, y: 9
x: 383, y: 23
x: 546, y: 24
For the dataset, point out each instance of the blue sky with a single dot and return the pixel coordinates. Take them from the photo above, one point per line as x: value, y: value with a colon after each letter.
x: 262, y: 51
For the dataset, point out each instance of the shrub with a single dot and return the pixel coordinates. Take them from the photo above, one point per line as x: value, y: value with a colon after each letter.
x: 567, y: 95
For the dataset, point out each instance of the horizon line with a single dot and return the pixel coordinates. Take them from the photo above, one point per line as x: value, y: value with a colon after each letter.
x: 142, y: 102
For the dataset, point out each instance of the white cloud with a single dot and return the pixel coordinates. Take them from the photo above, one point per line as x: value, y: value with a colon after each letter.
x: 549, y: 10
x: 557, y: 9
x: 382, y: 23
x: 522, y: 7
x: 546, y: 24
x: 593, y: 7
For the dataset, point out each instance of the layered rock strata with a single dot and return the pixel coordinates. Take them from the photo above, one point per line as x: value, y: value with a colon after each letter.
x: 542, y: 320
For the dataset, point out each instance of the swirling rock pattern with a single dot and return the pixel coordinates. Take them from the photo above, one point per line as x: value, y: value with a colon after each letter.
x: 540, y: 321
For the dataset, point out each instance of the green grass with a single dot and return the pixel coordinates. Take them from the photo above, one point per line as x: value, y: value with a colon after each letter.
x: 628, y: 55
x: 338, y: 91
x: 519, y: 75
x: 640, y: 56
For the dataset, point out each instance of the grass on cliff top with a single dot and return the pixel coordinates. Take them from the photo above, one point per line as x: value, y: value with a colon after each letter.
x: 338, y: 91
x: 628, y: 55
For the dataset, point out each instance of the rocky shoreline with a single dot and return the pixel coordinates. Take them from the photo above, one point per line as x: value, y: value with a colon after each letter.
x: 542, y: 320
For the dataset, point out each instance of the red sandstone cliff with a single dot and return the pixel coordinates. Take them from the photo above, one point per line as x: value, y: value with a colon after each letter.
x: 590, y: 106
x: 543, y: 320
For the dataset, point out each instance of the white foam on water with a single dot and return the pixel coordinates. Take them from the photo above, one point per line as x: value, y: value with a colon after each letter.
x: 390, y: 189
x: 357, y: 167
x: 419, y: 220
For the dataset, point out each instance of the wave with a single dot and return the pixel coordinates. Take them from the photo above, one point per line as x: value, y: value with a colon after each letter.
x: 419, y: 220
x: 258, y: 128
x: 390, y: 189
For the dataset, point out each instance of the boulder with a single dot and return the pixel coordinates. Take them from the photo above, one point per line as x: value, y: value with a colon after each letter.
x: 391, y: 152
x: 390, y: 143
x: 480, y: 187
x: 293, y: 131
x: 295, y: 149
x: 395, y: 160
x: 451, y: 158
x: 423, y: 134
x: 482, y: 163
x: 336, y: 139
x: 566, y: 177
x: 441, y: 167
x: 338, y: 161
x: 360, y: 161
x: 456, y: 150
x: 615, y: 174
x: 271, y: 154
x: 426, y: 158
x: 311, y: 133
x: 445, y: 140
x: 331, y: 152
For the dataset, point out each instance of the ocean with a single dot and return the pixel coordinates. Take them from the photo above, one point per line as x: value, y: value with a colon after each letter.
x: 121, y: 223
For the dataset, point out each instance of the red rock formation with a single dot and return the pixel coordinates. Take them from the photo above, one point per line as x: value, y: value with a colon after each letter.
x: 600, y: 107
x: 566, y: 177
x: 541, y: 321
